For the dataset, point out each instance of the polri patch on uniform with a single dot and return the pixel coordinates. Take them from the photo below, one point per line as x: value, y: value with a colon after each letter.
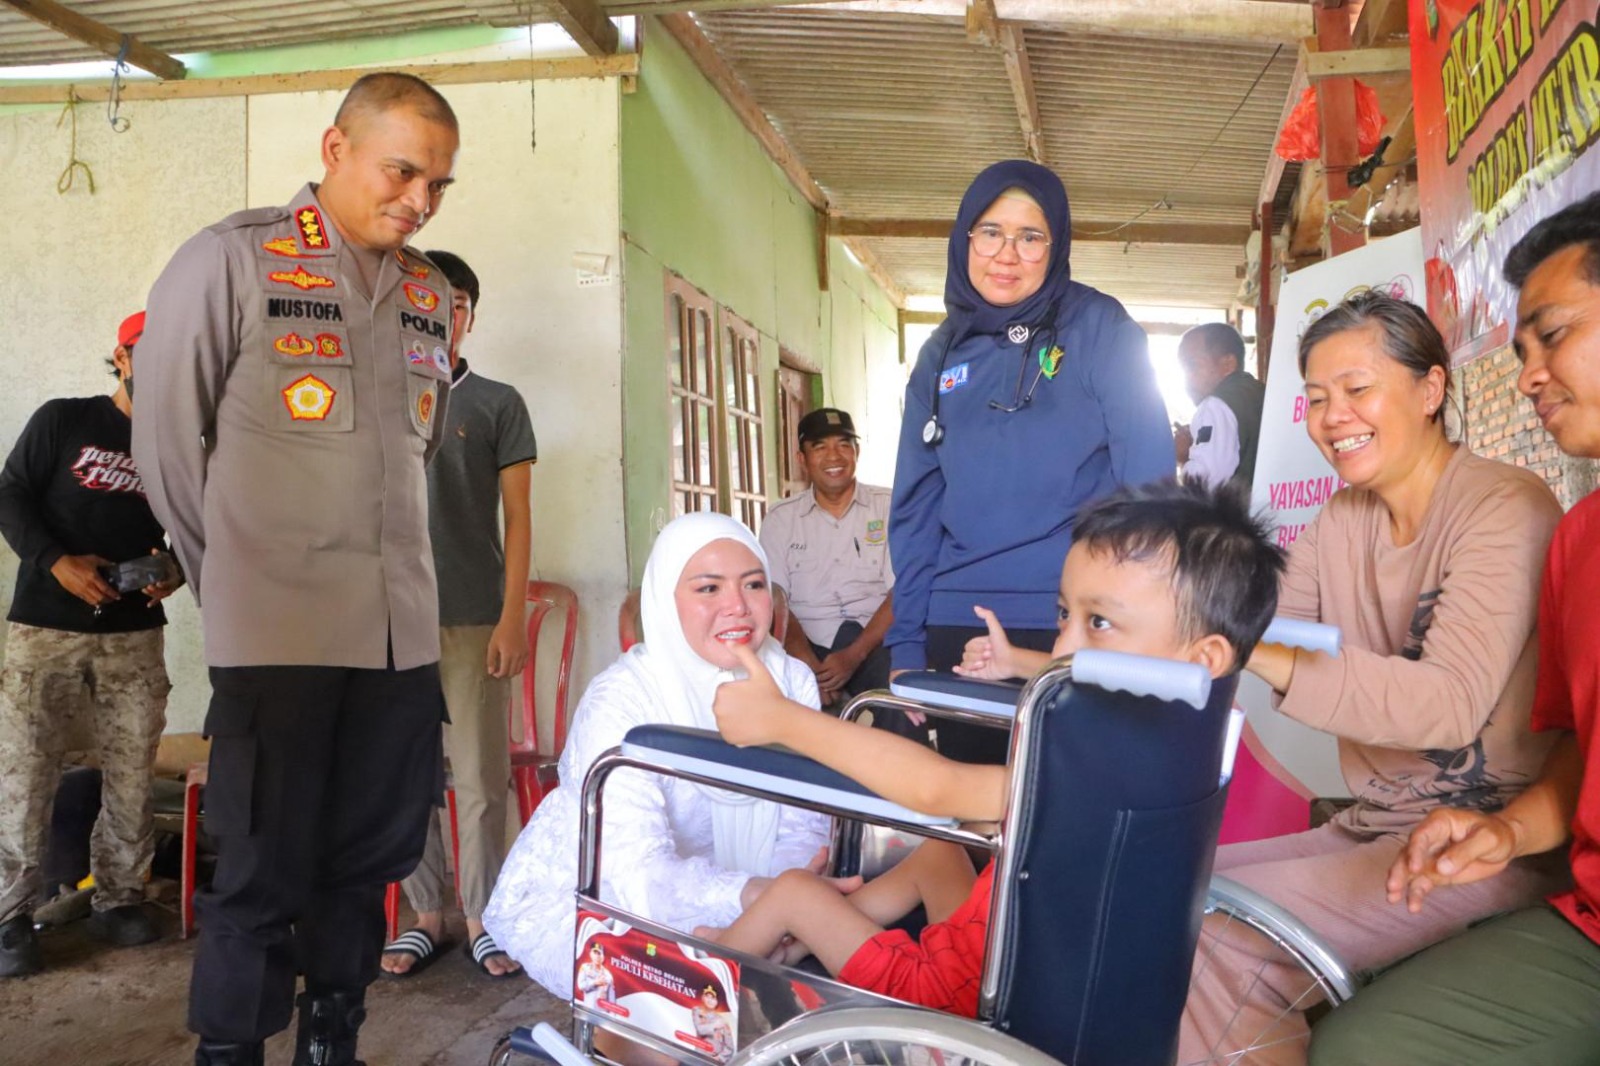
x: 421, y: 297
x: 329, y: 346
x: 953, y: 378
x: 416, y: 353
x: 309, y: 399
x: 313, y: 234
x: 876, y: 533
x: 293, y: 344
x: 301, y: 278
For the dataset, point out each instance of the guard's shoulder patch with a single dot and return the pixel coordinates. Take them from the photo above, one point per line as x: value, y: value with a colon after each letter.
x: 1203, y: 436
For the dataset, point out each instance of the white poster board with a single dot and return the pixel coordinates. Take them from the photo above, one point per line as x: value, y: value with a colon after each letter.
x: 1292, y: 479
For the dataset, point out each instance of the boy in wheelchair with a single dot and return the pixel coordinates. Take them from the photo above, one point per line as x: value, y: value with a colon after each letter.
x: 1165, y: 570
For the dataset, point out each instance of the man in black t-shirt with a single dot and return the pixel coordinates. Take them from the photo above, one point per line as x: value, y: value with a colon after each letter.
x: 81, y: 657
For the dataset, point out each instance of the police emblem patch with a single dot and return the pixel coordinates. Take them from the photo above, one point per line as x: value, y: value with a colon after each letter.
x: 292, y: 344
x: 425, y: 407
x: 312, y: 233
x: 329, y: 345
x: 301, y: 278
x: 953, y: 378
x: 309, y: 399
x: 421, y: 297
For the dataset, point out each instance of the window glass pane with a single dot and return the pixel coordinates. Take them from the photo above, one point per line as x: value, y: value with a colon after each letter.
x: 704, y: 442
x: 675, y: 343
x: 758, y: 471
x: 702, y: 353
x: 680, y: 446
x: 735, y: 456
x: 730, y: 370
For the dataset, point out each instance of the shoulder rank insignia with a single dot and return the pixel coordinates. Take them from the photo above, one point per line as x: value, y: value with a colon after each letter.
x: 312, y: 233
x: 421, y: 297
x: 301, y: 278
x: 293, y: 344
x: 309, y: 399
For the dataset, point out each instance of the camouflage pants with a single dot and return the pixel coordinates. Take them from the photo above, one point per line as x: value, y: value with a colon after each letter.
x: 101, y: 692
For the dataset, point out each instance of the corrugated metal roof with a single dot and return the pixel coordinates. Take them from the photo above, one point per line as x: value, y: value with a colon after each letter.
x: 894, y: 115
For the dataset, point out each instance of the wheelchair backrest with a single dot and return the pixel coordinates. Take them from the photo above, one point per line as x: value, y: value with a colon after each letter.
x: 1111, y: 831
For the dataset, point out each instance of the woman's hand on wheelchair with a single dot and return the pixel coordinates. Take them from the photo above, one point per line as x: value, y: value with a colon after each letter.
x: 1450, y: 847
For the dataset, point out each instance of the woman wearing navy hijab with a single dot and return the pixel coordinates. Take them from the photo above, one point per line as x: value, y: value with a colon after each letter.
x: 1032, y: 398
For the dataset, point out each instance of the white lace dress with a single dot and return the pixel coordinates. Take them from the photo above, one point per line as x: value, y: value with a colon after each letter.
x: 656, y: 859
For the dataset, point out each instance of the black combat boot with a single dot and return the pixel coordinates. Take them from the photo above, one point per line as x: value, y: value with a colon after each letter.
x: 213, y: 1053
x: 328, y: 1024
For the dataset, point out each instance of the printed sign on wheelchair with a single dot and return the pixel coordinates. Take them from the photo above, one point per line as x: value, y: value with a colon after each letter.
x: 674, y: 991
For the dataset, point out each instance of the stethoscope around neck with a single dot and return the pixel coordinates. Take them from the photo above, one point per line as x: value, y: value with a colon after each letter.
x: 933, y: 429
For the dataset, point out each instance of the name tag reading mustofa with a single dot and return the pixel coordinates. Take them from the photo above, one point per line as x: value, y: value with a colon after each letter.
x: 288, y: 307
x: 422, y: 325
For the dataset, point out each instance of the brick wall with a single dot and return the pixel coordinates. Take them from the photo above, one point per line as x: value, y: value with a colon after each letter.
x: 1500, y: 424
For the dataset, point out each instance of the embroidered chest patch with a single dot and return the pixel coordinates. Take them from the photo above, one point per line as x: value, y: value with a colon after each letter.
x: 421, y: 297
x: 953, y: 378
x: 876, y: 533
x: 309, y: 399
x: 301, y: 278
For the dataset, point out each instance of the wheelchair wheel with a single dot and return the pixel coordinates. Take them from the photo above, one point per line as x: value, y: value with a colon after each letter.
x: 1324, y: 981
x: 887, y: 1036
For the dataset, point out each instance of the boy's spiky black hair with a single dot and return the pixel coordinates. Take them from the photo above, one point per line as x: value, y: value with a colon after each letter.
x: 1224, y: 569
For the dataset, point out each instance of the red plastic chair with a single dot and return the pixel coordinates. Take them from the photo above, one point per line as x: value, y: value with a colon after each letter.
x: 533, y: 771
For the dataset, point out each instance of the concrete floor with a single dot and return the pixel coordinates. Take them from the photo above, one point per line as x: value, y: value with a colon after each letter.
x: 96, y: 1005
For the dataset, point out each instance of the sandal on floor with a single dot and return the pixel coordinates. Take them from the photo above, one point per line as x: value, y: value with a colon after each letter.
x: 417, y: 944
x: 484, y: 948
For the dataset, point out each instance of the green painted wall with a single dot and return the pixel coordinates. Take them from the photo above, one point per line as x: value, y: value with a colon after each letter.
x: 701, y: 198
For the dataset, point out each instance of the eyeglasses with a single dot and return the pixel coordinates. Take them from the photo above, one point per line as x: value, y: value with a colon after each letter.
x: 987, y: 240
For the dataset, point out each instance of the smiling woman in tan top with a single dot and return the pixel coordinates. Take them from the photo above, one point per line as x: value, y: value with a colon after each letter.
x: 1429, y: 561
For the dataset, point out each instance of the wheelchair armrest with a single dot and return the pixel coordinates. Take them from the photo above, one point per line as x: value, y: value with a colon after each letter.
x: 772, y: 769
x: 995, y: 698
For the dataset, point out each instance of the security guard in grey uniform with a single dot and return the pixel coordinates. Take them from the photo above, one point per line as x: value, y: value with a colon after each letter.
x: 293, y: 372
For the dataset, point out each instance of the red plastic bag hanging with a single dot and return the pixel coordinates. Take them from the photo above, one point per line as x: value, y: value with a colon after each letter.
x: 1301, y: 136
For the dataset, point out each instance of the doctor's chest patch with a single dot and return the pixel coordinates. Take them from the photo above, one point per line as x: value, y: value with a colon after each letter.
x: 953, y: 378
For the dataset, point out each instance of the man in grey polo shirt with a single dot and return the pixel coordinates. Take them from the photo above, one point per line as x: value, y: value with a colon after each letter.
x: 483, y: 465
x: 828, y: 547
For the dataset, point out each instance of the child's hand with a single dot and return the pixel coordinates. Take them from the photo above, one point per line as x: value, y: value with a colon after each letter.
x: 750, y: 711
x: 990, y: 658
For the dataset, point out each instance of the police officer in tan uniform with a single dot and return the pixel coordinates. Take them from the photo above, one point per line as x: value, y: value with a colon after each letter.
x: 294, y: 370
x: 828, y: 547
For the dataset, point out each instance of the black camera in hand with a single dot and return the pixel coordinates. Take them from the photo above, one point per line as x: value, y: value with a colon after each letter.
x: 157, y: 569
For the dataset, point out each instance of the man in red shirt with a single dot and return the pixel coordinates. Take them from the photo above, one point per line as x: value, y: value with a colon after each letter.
x: 1525, y: 987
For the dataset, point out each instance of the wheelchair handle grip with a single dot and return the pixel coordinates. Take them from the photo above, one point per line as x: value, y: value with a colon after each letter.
x: 1298, y: 633
x: 1143, y: 676
x: 558, y: 1048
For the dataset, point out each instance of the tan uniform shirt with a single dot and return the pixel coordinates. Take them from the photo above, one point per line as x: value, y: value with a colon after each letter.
x: 1431, y: 694
x: 834, y: 569
x: 283, y: 422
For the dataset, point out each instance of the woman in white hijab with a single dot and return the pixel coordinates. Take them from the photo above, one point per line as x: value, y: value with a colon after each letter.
x: 675, y: 852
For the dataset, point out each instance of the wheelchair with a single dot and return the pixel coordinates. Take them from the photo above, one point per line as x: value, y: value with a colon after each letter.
x: 1120, y: 766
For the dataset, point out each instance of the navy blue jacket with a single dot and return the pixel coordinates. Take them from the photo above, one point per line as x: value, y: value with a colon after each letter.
x: 985, y: 517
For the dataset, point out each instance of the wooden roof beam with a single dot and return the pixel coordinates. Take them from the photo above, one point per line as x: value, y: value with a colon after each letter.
x: 1213, y: 233
x: 1358, y: 63
x: 985, y: 28
x: 99, y: 36
x: 716, y: 70
x: 587, y: 25
x: 983, y: 25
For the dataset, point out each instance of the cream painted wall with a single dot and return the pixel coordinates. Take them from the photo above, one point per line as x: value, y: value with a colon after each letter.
x: 518, y: 215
